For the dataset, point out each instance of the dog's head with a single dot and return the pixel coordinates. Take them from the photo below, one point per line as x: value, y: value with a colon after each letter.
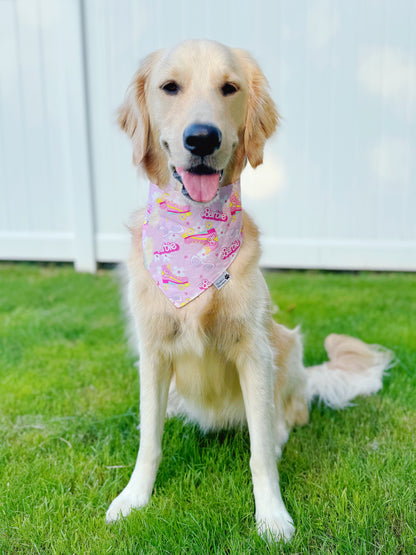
x: 196, y: 113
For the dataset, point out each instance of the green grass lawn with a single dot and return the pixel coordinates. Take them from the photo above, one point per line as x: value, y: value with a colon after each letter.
x: 69, y: 412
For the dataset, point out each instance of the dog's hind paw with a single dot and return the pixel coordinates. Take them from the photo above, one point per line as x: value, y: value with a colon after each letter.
x: 276, y: 527
x: 122, y: 506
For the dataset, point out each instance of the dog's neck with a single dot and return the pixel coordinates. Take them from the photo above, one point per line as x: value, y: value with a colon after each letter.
x: 189, y: 246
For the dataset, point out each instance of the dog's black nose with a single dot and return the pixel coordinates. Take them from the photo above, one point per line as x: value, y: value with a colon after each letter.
x: 201, y: 139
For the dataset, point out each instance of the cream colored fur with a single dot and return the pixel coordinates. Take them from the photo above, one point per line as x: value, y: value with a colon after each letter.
x: 221, y: 360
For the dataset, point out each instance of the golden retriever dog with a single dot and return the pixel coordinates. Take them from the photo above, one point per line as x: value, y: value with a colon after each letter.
x: 196, y: 114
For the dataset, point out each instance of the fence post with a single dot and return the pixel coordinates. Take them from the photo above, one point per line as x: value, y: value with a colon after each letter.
x: 83, y: 188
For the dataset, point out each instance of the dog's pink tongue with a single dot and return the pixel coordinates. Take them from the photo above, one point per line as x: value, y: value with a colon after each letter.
x: 201, y: 188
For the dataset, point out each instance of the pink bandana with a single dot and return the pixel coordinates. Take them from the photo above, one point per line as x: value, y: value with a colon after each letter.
x: 188, y: 246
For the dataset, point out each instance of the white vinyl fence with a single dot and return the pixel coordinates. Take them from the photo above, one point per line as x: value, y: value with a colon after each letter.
x: 338, y: 186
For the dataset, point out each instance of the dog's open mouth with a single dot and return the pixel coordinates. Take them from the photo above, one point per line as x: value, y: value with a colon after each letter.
x: 199, y: 183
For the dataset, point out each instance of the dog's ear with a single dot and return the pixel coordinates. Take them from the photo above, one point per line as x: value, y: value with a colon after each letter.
x: 133, y: 116
x: 261, y: 116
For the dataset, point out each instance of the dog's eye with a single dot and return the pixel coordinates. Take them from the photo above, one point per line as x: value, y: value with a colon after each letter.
x: 171, y: 87
x: 228, y: 89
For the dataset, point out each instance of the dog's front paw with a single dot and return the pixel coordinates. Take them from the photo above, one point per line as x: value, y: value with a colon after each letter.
x: 123, y: 504
x: 276, y: 527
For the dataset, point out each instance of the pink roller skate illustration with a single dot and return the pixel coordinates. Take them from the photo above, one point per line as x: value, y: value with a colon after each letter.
x: 235, y: 204
x: 169, y: 277
x: 205, y: 238
x: 183, y: 211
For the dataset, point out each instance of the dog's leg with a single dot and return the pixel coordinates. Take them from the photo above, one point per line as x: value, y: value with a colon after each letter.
x: 155, y: 377
x: 257, y: 374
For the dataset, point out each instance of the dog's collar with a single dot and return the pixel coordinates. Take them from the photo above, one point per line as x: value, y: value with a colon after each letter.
x: 187, y: 246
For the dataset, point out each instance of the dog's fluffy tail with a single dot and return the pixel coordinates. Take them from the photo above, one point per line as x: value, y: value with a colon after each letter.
x: 354, y: 368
